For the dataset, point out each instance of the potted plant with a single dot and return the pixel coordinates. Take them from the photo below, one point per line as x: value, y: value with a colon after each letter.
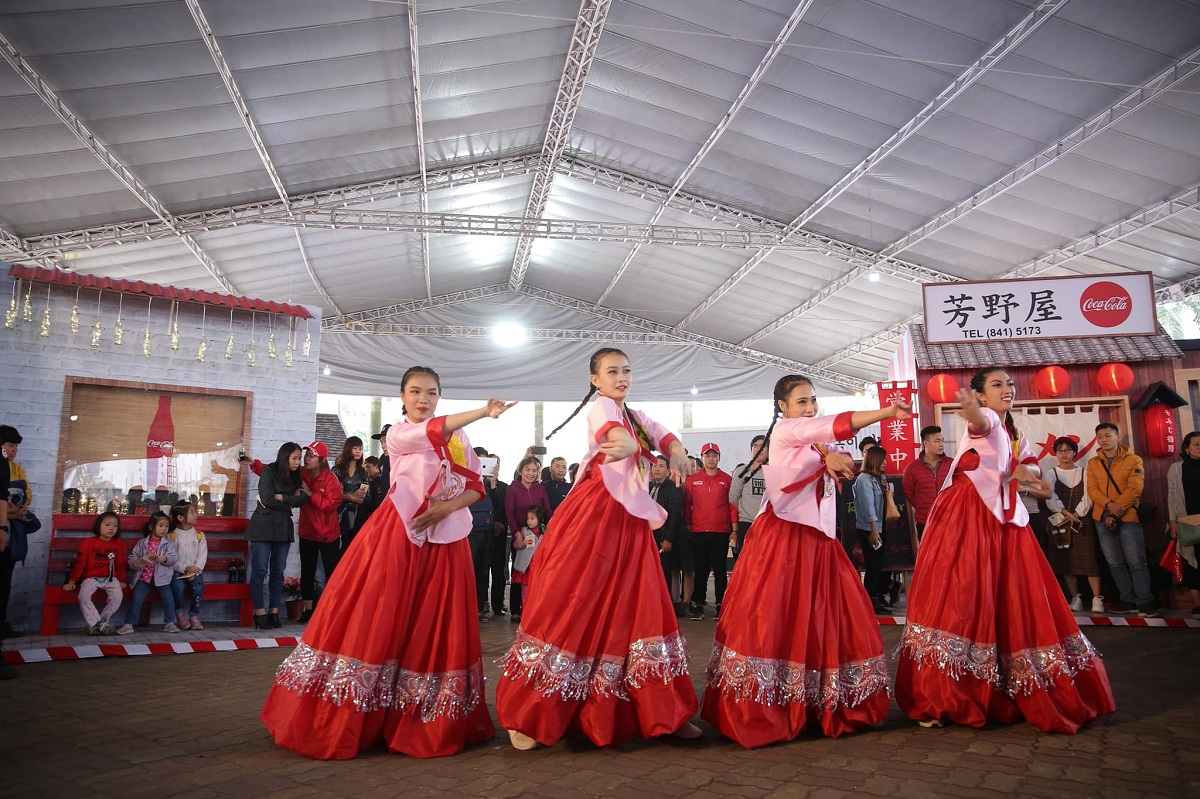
x: 291, y: 595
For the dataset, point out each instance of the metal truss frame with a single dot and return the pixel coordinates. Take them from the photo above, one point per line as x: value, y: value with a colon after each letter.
x: 260, y: 147
x: 419, y: 122
x: 351, y: 321
x: 585, y: 38
x: 535, y: 334
x: 688, y: 337
x: 109, y: 161
x: 964, y: 81
x: 1104, y: 121
x: 789, y: 27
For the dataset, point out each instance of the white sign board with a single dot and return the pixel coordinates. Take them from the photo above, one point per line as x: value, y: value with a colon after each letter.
x: 1045, y: 307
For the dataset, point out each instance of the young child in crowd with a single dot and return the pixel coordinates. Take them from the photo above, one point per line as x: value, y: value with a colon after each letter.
x: 192, y: 556
x: 153, y: 563
x: 525, y: 543
x: 100, y: 564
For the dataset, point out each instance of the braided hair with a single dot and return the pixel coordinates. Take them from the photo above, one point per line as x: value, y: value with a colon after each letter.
x: 783, y: 387
x: 594, y: 368
x: 978, y: 380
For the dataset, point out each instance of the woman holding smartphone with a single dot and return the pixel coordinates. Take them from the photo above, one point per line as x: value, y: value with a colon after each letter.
x: 870, y: 492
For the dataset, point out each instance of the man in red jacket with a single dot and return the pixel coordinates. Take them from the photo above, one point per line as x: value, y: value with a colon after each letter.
x: 712, y: 521
x: 924, y: 477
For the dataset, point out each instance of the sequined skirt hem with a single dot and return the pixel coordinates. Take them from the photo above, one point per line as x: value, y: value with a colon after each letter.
x: 552, y: 671
x: 772, y: 681
x: 367, y: 687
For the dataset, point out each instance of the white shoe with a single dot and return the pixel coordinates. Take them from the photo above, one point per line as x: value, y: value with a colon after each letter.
x: 932, y: 724
x: 688, y: 732
x: 1098, y: 604
x: 1077, y: 604
x: 521, y: 741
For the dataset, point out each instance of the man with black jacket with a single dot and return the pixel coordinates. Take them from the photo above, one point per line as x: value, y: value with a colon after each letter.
x: 483, y: 532
x: 557, y: 486
x: 664, y: 491
x: 497, y: 489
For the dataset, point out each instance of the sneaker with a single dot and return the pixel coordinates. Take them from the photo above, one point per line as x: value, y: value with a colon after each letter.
x: 695, y: 612
x: 125, y: 629
x: 96, y: 629
x: 1122, y: 608
x: 485, y: 618
x: 196, y: 625
x: 170, y: 627
x: 1077, y: 604
x: 1148, y: 611
x: 181, y: 621
x: 1098, y: 604
x: 106, y: 629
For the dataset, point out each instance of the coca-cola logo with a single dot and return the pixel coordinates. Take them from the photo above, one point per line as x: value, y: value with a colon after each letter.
x: 161, y: 444
x: 1105, y: 304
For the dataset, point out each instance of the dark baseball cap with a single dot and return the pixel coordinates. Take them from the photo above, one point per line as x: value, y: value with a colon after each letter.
x: 379, y: 436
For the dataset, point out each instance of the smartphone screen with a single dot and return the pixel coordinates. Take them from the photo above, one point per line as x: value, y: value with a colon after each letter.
x: 537, y: 450
x: 487, y: 467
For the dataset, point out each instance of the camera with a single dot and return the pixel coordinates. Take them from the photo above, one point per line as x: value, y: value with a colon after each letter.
x: 242, y: 457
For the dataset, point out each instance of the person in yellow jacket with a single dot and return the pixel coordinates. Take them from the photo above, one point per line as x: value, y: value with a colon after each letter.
x: 1115, y: 479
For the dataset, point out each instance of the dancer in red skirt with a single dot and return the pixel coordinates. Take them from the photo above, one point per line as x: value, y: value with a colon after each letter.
x: 598, y: 650
x: 392, y: 653
x: 797, y: 642
x: 990, y: 636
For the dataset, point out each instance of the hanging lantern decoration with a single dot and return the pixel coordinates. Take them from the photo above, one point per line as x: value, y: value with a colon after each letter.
x: 1115, y: 377
x: 146, y: 333
x: 75, y: 314
x: 10, y: 316
x: 1162, y: 437
x: 1052, y: 381
x: 119, y: 327
x: 250, y: 352
x: 942, y: 388
x: 271, y: 352
x: 45, y: 331
x: 27, y: 306
x: 173, y: 319
x: 203, y: 348
x: 291, y: 343
x: 96, y: 331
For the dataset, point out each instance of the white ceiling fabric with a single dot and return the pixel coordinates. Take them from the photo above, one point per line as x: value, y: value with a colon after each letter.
x: 924, y: 140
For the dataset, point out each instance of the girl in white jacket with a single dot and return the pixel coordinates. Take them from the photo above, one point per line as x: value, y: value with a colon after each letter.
x: 189, y: 567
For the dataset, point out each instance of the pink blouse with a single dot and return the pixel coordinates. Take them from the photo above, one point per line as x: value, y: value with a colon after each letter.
x: 427, y: 462
x: 993, y: 477
x: 627, y: 484
x: 798, y: 488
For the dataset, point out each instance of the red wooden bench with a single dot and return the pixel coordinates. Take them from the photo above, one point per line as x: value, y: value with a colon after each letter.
x: 225, y: 546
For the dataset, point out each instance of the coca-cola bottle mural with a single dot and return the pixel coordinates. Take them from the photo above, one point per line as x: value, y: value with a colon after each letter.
x: 160, y: 448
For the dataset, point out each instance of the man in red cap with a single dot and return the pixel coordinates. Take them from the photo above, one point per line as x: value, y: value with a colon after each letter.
x: 712, y: 520
x: 319, y: 531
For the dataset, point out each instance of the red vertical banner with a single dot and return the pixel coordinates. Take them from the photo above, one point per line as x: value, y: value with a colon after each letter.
x: 898, y: 436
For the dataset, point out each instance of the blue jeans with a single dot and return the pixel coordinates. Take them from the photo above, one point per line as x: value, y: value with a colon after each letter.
x: 267, y: 559
x: 179, y: 585
x: 140, y: 589
x: 1125, y: 551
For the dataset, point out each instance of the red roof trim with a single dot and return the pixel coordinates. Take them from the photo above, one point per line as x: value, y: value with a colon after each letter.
x: 58, y: 278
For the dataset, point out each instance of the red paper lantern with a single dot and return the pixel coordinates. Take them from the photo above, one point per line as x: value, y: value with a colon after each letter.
x: 1052, y: 381
x: 942, y: 388
x: 1115, y: 377
x: 1162, y: 436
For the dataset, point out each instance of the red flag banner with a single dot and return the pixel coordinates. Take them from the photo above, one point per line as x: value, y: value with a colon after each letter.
x: 898, y: 436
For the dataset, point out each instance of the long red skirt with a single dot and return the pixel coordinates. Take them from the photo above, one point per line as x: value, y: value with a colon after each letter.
x: 797, y: 642
x: 391, y: 655
x: 990, y: 636
x: 598, y: 650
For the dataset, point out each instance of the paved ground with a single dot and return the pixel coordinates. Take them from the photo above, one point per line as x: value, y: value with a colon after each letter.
x: 186, y: 726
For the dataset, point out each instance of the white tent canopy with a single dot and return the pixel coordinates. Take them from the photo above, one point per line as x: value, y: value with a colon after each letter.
x: 729, y: 190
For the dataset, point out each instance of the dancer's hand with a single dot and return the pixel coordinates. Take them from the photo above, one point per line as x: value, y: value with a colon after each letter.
x: 1024, y: 474
x: 495, y: 407
x: 903, y: 410
x: 682, y: 467
x: 839, y: 465
x: 433, y: 514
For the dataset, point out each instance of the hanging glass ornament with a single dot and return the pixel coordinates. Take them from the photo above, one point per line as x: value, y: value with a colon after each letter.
x: 10, y: 316
x: 45, y: 331
x: 250, y: 354
x: 119, y: 326
x: 173, y: 318
x: 27, y: 307
x: 229, y: 344
x: 307, y: 348
x: 75, y: 314
x: 96, y: 333
x: 203, y: 348
x: 287, y: 355
x: 271, y: 353
x: 146, y: 342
